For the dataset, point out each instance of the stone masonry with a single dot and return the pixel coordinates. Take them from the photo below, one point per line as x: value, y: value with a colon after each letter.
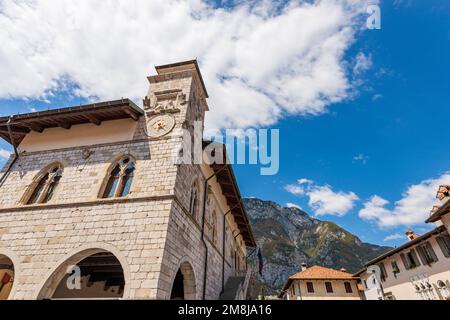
x: 150, y: 231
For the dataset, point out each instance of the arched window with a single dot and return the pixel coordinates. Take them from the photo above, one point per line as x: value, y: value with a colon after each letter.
x: 193, y: 202
x: 45, y: 185
x: 120, y: 178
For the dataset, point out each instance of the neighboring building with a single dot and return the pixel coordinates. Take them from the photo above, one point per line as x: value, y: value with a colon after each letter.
x: 96, y: 186
x: 418, y: 269
x: 319, y: 283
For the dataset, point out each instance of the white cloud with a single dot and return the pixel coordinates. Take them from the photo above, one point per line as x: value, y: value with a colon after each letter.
x: 259, y: 64
x: 4, y: 154
x: 305, y: 181
x: 323, y: 199
x: 412, y: 209
x: 293, y: 205
x: 361, y: 158
x: 395, y: 236
x: 377, y: 97
x: 295, y: 190
x: 363, y: 63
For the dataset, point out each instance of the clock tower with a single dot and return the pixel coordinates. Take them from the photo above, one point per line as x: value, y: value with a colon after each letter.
x: 176, y: 99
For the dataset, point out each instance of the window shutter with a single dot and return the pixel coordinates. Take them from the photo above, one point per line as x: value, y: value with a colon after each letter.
x: 414, y: 256
x: 348, y: 287
x: 422, y: 255
x: 383, y: 271
x: 432, y: 253
x: 405, y: 262
x: 445, y: 246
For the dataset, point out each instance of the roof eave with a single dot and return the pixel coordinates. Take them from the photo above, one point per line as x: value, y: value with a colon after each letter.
x: 444, y: 209
x: 405, y: 246
x: 22, y: 124
x: 249, y: 239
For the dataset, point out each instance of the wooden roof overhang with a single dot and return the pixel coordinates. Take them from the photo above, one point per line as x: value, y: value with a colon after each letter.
x: 227, y: 181
x: 436, y: 231
x: 444, y: 209
x: 22, y: 124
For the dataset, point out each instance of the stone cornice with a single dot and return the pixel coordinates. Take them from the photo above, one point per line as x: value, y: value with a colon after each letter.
x: 97, y: 202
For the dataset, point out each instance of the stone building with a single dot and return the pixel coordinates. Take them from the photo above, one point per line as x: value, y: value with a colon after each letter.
x: 93, y: 205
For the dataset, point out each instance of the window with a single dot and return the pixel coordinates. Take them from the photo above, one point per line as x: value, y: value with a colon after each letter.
x: 383, y: 272
x: 193, y: 201
x: 120, y: 179
x: 348, y: 287
x: 329, y: 287
x: 395, y: 268
x: 426, y: 253
x: 410, y: 260
x: 310, y: 287
x: 444, y: 243
x: 45, y: 185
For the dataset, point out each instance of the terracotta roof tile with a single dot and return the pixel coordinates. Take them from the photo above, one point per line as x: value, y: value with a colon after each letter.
x: 318, y: 272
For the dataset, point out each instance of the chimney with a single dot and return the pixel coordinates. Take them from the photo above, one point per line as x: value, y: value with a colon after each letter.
x: 343, y: 270
x: 443, y: 193
x: 411, y: 235
x: 433, y: 210
x: 303, y: 266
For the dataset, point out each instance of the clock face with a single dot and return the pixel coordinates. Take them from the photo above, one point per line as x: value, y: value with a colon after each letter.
x: 160, y: 125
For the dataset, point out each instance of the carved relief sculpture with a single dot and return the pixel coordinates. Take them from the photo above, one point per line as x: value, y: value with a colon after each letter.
x: 165, y: 102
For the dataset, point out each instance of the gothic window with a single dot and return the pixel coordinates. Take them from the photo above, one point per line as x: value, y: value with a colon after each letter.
x: 45, y: 185
x: 120, y: 178
x: 193, y: 201
x: 214, y: 227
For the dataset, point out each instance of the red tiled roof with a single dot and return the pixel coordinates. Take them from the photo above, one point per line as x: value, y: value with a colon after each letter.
x: 318, y: 272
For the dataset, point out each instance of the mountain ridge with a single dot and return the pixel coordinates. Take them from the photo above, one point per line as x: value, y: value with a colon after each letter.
x: 289, y: 236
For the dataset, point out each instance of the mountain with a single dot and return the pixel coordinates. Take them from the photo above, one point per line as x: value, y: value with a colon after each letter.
x: 289, y: 236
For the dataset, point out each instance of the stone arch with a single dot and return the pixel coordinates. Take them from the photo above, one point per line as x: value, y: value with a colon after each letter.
x: 53, y: 278
x: 183, y: 283
x: 9, y: 257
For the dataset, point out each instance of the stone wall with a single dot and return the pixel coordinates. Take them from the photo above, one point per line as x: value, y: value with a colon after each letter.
x: 44, y: 235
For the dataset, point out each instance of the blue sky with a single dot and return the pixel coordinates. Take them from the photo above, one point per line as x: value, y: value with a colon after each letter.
x: 397, y: 122
x: 383, y: 140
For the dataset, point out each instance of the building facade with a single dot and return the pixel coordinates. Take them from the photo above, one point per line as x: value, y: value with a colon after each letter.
x: 418, y: 269
x: 320, y: 283
x: 93, y: 204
